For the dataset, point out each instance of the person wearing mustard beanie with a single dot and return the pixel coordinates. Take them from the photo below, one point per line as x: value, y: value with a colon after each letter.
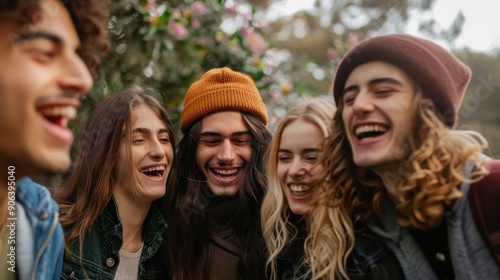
x: 400, y: 164
x: 214, y: 209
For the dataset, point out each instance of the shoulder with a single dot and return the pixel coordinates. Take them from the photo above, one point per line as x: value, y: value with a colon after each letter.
x: 35, y: 197
x: 370, y: 258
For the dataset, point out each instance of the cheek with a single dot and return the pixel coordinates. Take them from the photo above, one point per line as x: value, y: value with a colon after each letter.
x: 345, y: 117
x: 246, y: 153
x: 281, y: 172
x: 169, y: 152
x: 202, y: 156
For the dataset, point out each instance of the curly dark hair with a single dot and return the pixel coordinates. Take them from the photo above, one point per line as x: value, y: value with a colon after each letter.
x: 89, y: 17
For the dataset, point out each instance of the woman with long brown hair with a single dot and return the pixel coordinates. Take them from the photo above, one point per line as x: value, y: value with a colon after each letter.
x: 112, y: 198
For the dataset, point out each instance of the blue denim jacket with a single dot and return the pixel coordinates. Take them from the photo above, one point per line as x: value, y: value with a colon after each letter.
x: 40, y: 239
x: 101, y: 246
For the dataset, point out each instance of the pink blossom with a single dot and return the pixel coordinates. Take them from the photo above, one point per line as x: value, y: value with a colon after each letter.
x: 157, y: 11
x: 274, y: 120
x: 180, y: 32
x: 246, y: 32
x: 264, y: 25
x: 265, y: 80
x: 276, y: 97
x: 176, y: 14
x: 332, y: 54
x: 231, y: 10
x: 337, y: 43
x: 353, y: 38
x: 198, y: 7
x: 256, y: 43
x: 247, y: 17
x: 272, y: 59
x: 195, y: 23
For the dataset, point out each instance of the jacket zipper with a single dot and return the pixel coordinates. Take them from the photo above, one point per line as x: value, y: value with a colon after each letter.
x: 44, y: 245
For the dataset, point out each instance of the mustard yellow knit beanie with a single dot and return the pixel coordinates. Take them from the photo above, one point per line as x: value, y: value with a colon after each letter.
x: 222, y: 89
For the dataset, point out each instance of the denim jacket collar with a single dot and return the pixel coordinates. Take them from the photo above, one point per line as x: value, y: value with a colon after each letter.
x: 154, y: 227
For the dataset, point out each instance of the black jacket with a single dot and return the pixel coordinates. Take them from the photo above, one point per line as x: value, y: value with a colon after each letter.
x: 369, y: 260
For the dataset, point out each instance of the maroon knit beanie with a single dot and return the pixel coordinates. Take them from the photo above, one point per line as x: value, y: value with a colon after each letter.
x: 442, y: 77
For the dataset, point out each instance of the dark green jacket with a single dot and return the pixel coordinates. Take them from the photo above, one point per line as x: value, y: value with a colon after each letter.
x: 101, y: 246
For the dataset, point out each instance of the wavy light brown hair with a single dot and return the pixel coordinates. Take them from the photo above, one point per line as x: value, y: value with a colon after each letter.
x: 429, y: 177
x: 88, y: 185
x: 278, y: 223
x: 89, y: 17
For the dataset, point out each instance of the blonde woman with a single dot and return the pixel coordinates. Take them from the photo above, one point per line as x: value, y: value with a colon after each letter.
x: 293, y: 161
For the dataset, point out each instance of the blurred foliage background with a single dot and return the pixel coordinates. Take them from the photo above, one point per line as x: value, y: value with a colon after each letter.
x: 167, y: 45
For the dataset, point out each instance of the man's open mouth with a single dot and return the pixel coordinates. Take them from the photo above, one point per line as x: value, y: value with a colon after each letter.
x: 364, y: 132
x: 59, y: 115
x: 225, y: 172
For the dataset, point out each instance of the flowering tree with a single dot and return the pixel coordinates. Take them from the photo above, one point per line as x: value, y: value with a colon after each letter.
x: 167, y: 45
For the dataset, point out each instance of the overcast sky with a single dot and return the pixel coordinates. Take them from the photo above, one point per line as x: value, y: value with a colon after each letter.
x: 480, y: 32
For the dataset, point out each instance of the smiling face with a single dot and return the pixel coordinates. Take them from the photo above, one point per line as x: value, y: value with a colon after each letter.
x: 377, y: 114
x: 41, y: 80
x: 141, y: 175
x: 299, y: 150
x: 224, y: 149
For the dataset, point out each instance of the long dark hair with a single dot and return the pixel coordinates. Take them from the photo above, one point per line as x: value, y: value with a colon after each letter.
x: 189, y: 236
x: 88, y: 185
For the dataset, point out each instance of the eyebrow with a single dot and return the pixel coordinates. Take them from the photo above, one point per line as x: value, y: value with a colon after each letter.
x: 217, y: 134
x: 27, y: 36
x: 305, y: 151
x: 143, y: 130
x: 374, y: 82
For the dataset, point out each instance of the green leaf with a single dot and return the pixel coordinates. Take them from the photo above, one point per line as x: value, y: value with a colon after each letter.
x: 168, y: 44
x: 151, y: 33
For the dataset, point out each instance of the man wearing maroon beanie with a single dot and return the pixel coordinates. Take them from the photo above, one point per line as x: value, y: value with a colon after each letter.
x: 399, y: 164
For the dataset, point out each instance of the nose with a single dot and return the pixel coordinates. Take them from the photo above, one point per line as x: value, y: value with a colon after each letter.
x: 75, y: 76
x: 226, y: 151
x: 363, y: 102
x: 156, y: 150
x: 297, y: 169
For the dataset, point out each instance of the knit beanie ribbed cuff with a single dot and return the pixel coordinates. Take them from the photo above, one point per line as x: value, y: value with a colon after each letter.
x: 222, y: 89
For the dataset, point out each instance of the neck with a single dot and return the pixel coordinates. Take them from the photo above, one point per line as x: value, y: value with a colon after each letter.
x: 392, y: 178
x: 132, y: 214
x: 222, y: 211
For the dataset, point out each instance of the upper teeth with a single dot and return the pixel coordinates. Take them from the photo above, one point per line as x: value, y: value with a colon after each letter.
x: 298, y: 188
x: 226, y: 172
x: 369, y: 128
x: 67, y: 112
x: 156, y: 168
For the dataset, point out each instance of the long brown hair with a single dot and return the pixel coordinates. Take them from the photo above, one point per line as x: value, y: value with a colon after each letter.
x: 89, y: 183
x: 189, y: 236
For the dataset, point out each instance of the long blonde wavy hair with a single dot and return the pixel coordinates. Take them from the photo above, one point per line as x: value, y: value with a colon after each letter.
x: 278, y: 228
x: 429, y: 177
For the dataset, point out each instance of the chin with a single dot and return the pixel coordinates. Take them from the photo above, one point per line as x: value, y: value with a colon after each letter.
x: 223, y: 192
x: 300, y: 211
x: 55, y: 164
